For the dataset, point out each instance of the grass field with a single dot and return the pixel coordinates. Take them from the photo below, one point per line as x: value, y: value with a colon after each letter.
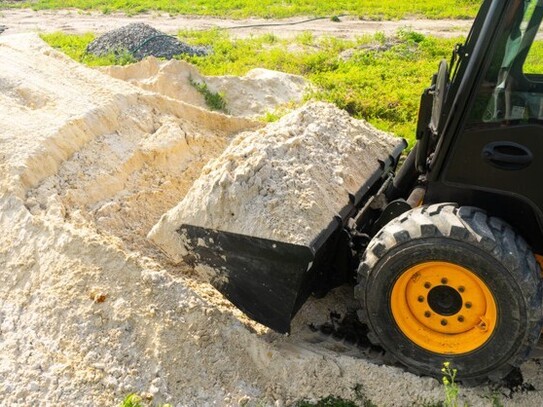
x: 376, y: 78
x: 370, y: 9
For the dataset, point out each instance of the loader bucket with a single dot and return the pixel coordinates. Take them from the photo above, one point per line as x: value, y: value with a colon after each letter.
x: 270, y: 280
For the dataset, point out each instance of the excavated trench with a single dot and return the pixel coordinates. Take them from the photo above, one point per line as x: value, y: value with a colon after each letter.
x: 124, y: 180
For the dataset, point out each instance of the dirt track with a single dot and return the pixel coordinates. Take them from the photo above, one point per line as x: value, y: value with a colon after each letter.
x: 73, y: 21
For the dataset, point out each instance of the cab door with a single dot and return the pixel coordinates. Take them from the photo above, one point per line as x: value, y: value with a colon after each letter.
x: 496, y: 160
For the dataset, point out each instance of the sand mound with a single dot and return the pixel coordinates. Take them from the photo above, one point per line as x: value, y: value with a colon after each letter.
x: 283, y: 182
x: 89, y: 312
x: 258, y: 92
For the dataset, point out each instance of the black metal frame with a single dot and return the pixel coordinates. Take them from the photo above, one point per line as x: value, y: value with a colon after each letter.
x: 458, y: 171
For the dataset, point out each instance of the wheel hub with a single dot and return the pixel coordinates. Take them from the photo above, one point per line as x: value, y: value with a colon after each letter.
x: 444, y: 300
x: 443, y: 307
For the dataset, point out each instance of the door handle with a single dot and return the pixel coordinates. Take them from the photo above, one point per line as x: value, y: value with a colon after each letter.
x: 507, y: 155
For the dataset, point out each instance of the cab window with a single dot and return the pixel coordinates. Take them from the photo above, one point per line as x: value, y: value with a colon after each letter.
x: 512, y: 90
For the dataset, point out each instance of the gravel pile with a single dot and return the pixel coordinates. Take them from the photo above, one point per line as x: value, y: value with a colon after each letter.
x: 141, y: 40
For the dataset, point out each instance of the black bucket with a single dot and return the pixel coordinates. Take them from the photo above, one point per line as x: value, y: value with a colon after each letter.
x: 266, y: 279
x: 270, y: 280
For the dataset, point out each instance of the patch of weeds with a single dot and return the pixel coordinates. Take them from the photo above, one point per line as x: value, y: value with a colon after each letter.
x: 75, y: 47
x: 380, y: 37
x: 132, y: 400
x: 495, y: 399
x: 407, y: 34
x: 450, y: 385
x: 306, y: 38
x: 215, y: 101
x: 270, y: 117
x: 270, y: 38
x: 279, y: 112
x: 121, y: 57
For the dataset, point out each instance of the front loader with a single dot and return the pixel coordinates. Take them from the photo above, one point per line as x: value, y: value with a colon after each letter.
x: 444, y: 251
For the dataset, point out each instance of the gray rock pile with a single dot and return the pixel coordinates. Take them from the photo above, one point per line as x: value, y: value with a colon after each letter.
x: 141, y: 40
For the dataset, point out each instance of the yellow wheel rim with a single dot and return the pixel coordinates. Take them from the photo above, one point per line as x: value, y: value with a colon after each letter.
x: 443, y: 307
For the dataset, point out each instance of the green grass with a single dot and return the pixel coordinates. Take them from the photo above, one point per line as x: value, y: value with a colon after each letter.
x: 132, y: 400
x: 215, y: 101
x: 534, y: 60
x: 74, y: 46
x: 376, y: 78
x: 327, y: 402
x: 370, y: 9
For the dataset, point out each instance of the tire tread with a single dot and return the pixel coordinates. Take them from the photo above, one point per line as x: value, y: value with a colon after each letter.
x: 473, y: 225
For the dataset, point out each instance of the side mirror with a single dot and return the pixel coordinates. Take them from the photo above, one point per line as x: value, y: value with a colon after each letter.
x: 430, y: 112
x: 423, y: 130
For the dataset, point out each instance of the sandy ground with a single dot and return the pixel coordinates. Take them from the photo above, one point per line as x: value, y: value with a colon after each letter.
x: 89, y: 310
x: 73, y: 21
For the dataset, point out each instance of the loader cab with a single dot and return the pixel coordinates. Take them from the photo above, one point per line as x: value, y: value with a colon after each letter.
x: 488, y: 148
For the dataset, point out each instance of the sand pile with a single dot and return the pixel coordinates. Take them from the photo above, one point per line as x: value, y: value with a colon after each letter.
x: 89, y: 312
x: 258, y: 92
x: 283, y: 182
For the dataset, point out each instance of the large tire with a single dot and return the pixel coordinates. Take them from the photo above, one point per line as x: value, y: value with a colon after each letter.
x: 441, y: 283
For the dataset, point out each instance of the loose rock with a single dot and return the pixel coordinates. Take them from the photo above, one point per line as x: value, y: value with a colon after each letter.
x: 141, y: 40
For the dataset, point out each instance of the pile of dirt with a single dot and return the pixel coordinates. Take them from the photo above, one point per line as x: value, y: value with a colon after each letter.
x: 283, y: 182
x: 141, y: 40
x: 259, y: 92
x: 89, y: 310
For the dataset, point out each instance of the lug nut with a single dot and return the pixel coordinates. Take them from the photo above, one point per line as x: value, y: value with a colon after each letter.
x: 443, y: 322
x: 427, y: 285
x: 468, y: 304
x: 460, y: 318
x: 444, y: 280
x: 420, y: 299
x: 461, y: 289
x: 427, y: 314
